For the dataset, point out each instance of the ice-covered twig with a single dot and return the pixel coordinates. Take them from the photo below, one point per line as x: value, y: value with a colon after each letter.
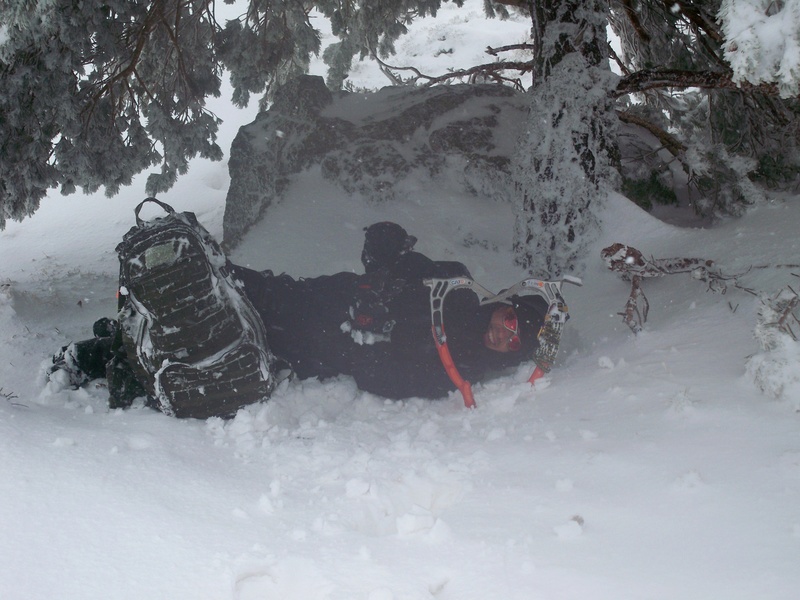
x: 10, y: 397
x: 786, y: 305
x: 633, y: 266
x: 634, y: 315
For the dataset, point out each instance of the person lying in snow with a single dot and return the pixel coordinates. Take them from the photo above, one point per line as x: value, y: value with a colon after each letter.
x: 374, y: 327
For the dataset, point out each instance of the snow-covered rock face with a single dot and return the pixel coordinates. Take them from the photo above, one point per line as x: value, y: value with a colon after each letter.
x: 371, y: 143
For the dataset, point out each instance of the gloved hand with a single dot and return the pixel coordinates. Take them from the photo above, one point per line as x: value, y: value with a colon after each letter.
x: 369, y: 311
x: 370, y: 314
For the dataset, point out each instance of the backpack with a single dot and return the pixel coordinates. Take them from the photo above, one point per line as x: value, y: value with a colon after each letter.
x: 194, y: 341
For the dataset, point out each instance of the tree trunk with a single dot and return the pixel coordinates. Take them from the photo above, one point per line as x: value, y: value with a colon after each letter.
x: 564, y: 169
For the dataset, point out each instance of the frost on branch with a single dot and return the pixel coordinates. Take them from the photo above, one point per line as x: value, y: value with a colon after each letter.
x: 776, y: 370
x: 633, y: 266
x: 763, y: 42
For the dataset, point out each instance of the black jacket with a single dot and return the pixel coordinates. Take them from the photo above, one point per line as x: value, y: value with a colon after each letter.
x: 308, y: 325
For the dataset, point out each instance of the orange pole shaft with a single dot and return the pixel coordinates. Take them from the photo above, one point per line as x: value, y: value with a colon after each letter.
x: 537, y: 374
x: 462, y: 384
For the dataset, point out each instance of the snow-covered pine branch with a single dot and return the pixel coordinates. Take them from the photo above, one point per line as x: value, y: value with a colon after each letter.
x: 778, y: 316
x: 776, y: 369
x: 762, y: 42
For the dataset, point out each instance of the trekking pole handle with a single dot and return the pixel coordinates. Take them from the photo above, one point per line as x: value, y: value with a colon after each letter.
x: 549, y: 290
x: 439, y: 289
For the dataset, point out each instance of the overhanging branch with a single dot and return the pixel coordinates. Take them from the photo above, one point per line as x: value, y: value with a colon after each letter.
x: 670, y: 142
x: 641, y: 81
x: 637, y: 82
x: 489, y: 70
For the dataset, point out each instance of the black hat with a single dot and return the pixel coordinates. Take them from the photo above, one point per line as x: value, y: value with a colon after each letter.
x: 384, y: 243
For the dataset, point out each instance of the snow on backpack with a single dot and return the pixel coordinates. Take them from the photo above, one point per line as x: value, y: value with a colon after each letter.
x: 193, y: 339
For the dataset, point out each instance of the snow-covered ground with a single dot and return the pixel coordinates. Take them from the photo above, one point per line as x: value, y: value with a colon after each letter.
x: 646, y: 467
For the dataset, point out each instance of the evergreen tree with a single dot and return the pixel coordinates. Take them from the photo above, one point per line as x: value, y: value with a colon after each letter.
x: 722, y: 131
x: 94, y: 92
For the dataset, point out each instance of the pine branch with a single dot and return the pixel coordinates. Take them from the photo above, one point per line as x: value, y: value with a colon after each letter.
x: 158, y: 15
x: 633, y: 17
x: 142, y: 34
x: 787, y: 311
x: 695, y: 17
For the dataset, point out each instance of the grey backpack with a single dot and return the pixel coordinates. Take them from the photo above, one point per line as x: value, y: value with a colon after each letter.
x: 193, y: 339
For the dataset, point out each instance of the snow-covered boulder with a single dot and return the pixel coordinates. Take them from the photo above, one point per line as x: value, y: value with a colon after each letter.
x: 370, y: 143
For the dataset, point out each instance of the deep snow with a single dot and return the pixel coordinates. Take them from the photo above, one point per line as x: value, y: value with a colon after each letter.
x: 643, y: 467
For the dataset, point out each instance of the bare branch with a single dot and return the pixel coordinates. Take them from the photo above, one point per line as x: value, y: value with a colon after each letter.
x: 10, y: 397
x: 642, y: 81
x: 613, y: 54
x: 633, y: 316
x: 670, y: 142
x: 633, y: 266
x: 517, y: 3
x: 489, y: 70
x: 496, y: 51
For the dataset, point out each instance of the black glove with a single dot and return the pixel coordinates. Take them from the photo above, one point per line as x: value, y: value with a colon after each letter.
x: 370, y: 311
x: 384, y: 243
x: 369, y: 314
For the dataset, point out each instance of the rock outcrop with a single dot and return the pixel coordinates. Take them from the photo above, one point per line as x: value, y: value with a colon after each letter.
x: 370, y: 143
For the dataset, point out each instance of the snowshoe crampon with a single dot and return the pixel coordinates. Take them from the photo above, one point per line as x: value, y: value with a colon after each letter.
x: 195, y: 342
